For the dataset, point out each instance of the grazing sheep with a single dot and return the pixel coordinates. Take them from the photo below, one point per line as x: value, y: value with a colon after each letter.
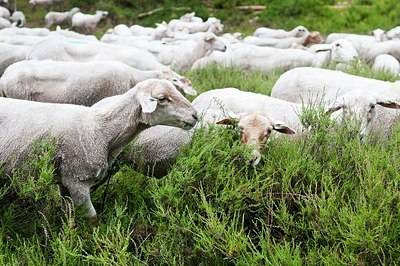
x: 310, y: 38
x: 60, y: 18
x: 263, y: 32
x: 267, y: 59
x: 63, y: 49
x: 4, y: 13
x: 156, y: 148
x: 385, y: 62
x: 87, y: 23
x: 19, y: 18
x: 78, y: 83
x: 10, y: 54
x: 310, y: 84
x: 88, y: 139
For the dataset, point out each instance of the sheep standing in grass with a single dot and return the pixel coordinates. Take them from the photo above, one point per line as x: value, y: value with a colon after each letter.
x: 156, y: 148
x: 78, y: 83
x: 88, y: 139
x: 60, y: 18
x: 87, y: 23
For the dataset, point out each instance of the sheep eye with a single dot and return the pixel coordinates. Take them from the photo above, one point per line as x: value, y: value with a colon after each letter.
x: 162, y: 99
x: 337, y: 45
x: 175, y: 80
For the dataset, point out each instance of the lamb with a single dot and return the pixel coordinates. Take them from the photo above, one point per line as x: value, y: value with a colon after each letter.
x: 60, y: 18
x: 388, y: 63
x: 19, y: 18
x: 62, y: 49
x: 267, y: 59
x: 10, y: 54
x: 87, y: 23
x: 88, y: 139
x: 155, y: 150
x: 307, y: 83
x: 78, y: 83
x: 313, y: 37
x: 263, y: 32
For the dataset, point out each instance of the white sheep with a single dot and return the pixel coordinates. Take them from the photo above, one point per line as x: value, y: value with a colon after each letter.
x: 87, y: 23
x: 63, y: 49
x: 306, y: 39
x: 267, y: 59
x: 192, y: 27
x: 311, y: 84
x: 394, y: 33
x: 60, y: 18
x: 25, y: 31
x: 19, y: 18
x: 78, y: 83
x: 264, y: 32
x: 182, y: 58
x: 350, y: 37
x: 370, y: 50
x: 46, y: 3
x: 88, y: 139
x: 10, y: 54
x: 25, y: 40
x: 387, y: 63
x: 4, y: 23
x: 191, y: 17
x: 379, y: 35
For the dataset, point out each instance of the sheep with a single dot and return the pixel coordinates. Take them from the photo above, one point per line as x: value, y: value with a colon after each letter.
x: 78, y: 83
x: 10, y: 54
x: 4, y: 23
x: 370, y: 50
x: 263, y: 32
x: 313, y: 37
x: 87, y: 23
x: 191, y: 17
x: 307, y: 83
x: 63, y: 49
x: 385, y: 62
x: 74, y: 35
x: 379, y: 35
x: 267, y: 59
x: 192, y: 27
x: 155, y: 150
x: 394, y: 33
x: 232, y: 37
x: 25, y: 31
x: 19, y: 18
x: 183, y: 59
x: 4, y: 13
x: 47, y: 3
x: 88, y: 139
x: 60, y: 18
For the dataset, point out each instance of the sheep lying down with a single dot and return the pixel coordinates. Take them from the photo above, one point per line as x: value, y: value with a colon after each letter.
x: 88, y: 138
x: 155, y: 150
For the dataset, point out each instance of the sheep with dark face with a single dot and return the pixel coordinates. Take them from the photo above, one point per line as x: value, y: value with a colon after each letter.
x: 88, y: 138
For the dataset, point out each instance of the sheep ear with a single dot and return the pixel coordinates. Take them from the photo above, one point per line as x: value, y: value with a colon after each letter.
x: 336, y: 105
x: 323, y: 50
x: 148, y: 103
x: 208, y: 38
x: 226, y: 121
x: 283, y: 128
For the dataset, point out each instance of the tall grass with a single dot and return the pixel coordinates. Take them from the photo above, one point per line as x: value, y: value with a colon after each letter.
x: 325, y: 198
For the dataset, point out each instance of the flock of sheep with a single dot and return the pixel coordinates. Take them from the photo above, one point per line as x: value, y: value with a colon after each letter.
x: 96, y: 96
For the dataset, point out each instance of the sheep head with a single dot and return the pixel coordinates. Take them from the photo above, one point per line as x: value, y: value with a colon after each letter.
x: 162, y: 104
x: 213, y: 43
x: 255, y: 129
x: 181, y: 83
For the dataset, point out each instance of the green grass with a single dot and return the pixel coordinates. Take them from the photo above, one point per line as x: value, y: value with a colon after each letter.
x: 322, y: 199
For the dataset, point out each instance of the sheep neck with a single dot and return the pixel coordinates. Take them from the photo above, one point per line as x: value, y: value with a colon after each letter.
x: 198, y: 52
x: 122, y: 123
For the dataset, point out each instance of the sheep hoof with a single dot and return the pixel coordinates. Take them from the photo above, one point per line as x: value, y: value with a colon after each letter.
x: 92, y: 221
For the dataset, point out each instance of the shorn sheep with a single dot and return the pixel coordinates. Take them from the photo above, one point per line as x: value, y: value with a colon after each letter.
x: 264, y: 32
x: 388, y: 63
x: 60, y: 18
x: 78, y: 83
x: 88, y: 139
x: 87, y: 23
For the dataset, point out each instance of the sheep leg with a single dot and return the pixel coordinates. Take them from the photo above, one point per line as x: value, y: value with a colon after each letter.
x: 80, y: 195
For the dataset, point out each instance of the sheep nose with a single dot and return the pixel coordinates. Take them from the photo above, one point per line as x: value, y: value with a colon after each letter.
x: 195, y: 116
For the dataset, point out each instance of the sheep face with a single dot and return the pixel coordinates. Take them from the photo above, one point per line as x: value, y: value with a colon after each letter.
x: 360, y: 105
x: 213, y: 43
x: 162, y: 104
x: 342, y: 51
x: 313, y: 37
x: 301, y: 31
x: 255, y: 129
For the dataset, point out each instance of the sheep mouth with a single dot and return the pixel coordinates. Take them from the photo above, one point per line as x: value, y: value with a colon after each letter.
x: 188, y: 125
